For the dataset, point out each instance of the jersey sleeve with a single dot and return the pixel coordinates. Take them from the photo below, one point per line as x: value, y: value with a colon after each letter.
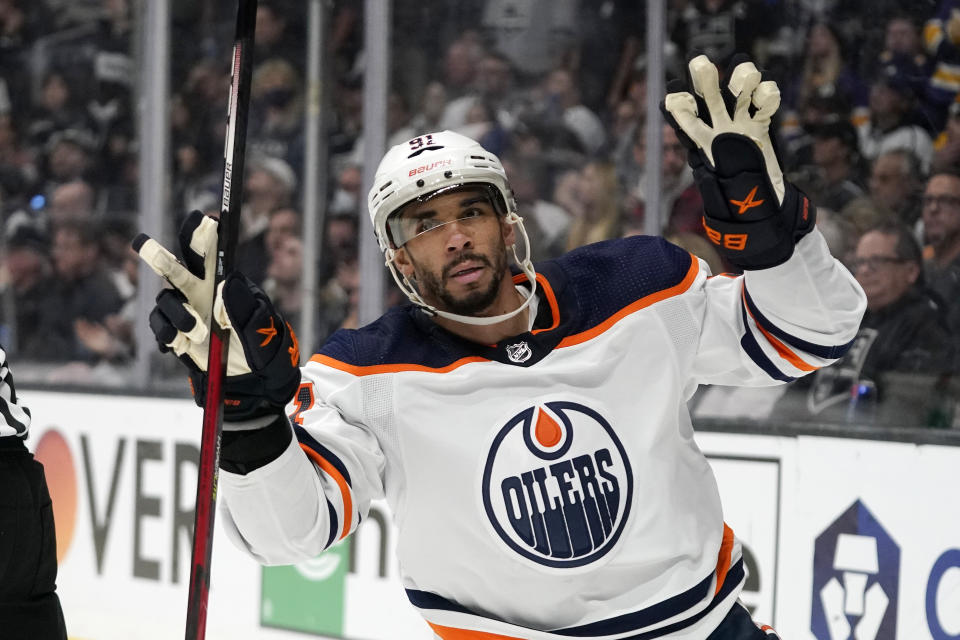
x: 320, y: 488
x: 775, y: 325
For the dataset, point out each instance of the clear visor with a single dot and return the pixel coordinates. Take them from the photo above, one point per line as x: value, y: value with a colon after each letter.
x: 479, y: 202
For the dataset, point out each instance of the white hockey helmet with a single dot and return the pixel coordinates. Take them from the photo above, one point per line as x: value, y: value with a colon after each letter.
x: 435, y: 162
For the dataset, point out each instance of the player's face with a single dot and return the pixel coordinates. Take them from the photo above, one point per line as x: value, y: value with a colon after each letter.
x: 457, y: 250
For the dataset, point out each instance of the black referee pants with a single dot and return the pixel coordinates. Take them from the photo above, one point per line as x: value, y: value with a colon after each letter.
x: 29, y: 607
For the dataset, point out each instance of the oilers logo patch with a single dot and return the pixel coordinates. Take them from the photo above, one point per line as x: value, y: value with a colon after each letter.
x: 557, y: 485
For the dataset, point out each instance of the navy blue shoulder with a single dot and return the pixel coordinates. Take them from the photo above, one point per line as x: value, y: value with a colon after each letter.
x: 400, y: 336
x: 583, y: 289
x: 603, y: 278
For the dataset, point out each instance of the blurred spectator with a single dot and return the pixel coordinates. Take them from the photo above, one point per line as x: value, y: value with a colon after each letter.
x: 896, y: 183
x: 902, y: 36
x: 284, y: 223
x: 535, y: 35
x: 339, y: 298
x: 681, y: 207
x: 69, y: 156
x: 941, y: 36
x: 493, y: 85
x: 276, y: 104
x: 69, y: 13
x: 624, y: 149
x: 546, y: 223
x: 284, y: 282
x: 195, y: 158
x: 57, y: 110
x: 855, y: 219
x: 432, y: 107
x: 346, y: 196
x: 895, y: 370
x: 482, y: 125
x: 197, y: 119
x: 460, y: 63
x: 18, y: 170
x: 607, y: 46
x: 592, y: 197
x: 20, y: 24
x: 560, y: 103
x: 84, y: 293
x: 277, y: 35
x: 836, y: 158
x: 941, y: 228
x: 827, y: 74
x: 13, y: 26
x: 347, y: 118
x: 894, y: 114
x: 71, y: 201
x: 112, y: 74
x: 119, y: 259
x: 840, y: 229
x: 946, y: 154
x: 27, y: 290
x: 720, y: 28
x: 398, y: 127
x: 902, y: 41
x: 339, y: 240
x: 270, y: 185
x: 824, y: 106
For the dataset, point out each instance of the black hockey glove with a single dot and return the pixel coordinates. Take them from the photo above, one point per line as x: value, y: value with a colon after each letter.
x: 263, y: 371
x: 751, y: 213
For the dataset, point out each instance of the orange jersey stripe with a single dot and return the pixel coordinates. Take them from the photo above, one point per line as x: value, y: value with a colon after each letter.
x: 781, y: 348
x: 392, y: 368
x: 724, y: 557
x: 643, y: 302
x: 450, y: 633
x: 324, y: 464
x: 578, y: 338
x: 551, y: 299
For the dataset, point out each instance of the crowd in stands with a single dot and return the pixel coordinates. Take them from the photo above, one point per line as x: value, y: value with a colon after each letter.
x: 869, y: 128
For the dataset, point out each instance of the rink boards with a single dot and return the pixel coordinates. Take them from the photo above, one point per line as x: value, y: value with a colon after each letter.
x: 839, y: 534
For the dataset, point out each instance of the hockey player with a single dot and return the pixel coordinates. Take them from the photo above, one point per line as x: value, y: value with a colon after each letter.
x: 528, y: 427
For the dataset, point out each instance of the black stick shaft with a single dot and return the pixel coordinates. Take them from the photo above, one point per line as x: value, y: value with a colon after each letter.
x: 231, y: 197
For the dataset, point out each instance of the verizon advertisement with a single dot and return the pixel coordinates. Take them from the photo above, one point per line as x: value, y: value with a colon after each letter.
x: 842, y: 538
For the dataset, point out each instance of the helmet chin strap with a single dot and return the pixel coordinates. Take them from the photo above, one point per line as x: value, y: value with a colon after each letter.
x: 525, y: 265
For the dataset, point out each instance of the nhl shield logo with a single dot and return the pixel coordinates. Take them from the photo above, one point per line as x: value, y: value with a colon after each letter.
x: 557, y: 485
x: 519, y: 352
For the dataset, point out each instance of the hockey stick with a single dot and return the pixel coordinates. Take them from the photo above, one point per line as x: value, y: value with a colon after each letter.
x: 233, y: 158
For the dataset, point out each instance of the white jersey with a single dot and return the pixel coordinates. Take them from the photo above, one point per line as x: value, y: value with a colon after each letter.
x: 549, y: 486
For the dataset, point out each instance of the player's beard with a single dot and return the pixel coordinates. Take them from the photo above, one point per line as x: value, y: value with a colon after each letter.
x: 473, y: 302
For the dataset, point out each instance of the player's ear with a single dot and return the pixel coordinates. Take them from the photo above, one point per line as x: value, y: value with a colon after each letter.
x: 508, y: 231
x: 402, y: 261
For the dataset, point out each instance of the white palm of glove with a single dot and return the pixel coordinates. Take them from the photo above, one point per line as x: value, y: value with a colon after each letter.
x: 198, y: 291
x: 196, y: 342
x: 749, y: 90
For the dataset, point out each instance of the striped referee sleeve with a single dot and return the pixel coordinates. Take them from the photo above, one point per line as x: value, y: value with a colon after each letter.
x: 14, y: 419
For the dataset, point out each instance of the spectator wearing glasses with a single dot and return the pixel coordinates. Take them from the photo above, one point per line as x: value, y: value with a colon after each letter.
x: 905, y: 325
x: 941, y: 228
x: 903, y: 355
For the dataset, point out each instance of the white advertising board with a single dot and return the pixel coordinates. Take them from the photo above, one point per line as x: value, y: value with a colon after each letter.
x: 843, y: 538
x: 868, y: 542
x: 122, y: 472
